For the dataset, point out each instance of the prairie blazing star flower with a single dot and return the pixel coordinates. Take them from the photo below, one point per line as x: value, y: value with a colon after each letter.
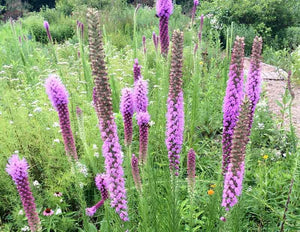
x: 136, y: 172
x: 196, y: 3
x: 140, y: 96
x: 191, y: 166
x: 102, y: 96
x: 47, y: 27
x: 143, y: 119
x: 48, y: 212
x: 58, y: 96
x: 126, y: 108
x: 18, y: 170
x: 144, y: 44
x: 233, y: 179
x: 175, y: 110
x: 164, y: 8
x: 155, y: 39
x: 254, y: 76
x: 232, y: 99
x: 136, y: 70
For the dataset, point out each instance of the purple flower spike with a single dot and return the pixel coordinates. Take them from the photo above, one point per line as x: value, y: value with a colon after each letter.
x: 126, y: 109
x: 58, y: 96
x: 232, y: 99
x: 191, y: 168
x: 136, y: 70
x: 155, y: 40
x: 254, y: 76
x: 92, y: 210
x: 175, y: 110
x: 47, y: 27
x: 233, y: 179
x: 136, y: 172
x: 144, y: 44
x: 17, y: 168
x: 140, y: 96
x: 200, y: 29
x: 196, y: 3
x: 164, y: 8
x: 102, y: 97
x: 143, y: 119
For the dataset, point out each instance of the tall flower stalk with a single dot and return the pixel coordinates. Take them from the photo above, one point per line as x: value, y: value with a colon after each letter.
x: 196, y: 3
x: 136, y: 173
x: 254, y: 76
x: 103, y: 104
x: 126, y: 108
x: 175, y: 110
x: 18, y: 170
x: 164, y: 8
x: 191, y: 168
x: 233, y: 179
x: 47, y: 28
x: 58, y: 96
x: 232, y: 99
x: 136, y: 70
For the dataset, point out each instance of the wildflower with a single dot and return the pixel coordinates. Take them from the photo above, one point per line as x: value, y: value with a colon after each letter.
x: 143, y: 119
x: 36, y: 183
x: 47, y: 128
x: 18, y: 170
x: 55, y: 124
x: 144, y: 44
x: 38, y: 109
x: 95, y: 147
x: 223, y: 219
x: 155, y: 39
x: 58, y: 96
x: 164, y: 8
x: 175, y: 110
x: 47, y: 27
x: 196, y: 3
x: 96, y: 154
x: 191, y: 166
x: 57, y: 194
x: 232, y: 99
x: 140, y: 95
x: 102, y: 96
x: 58, y: 211
x: 21, y: 212
x: 30, y: 115
x: 48, y: 212
x: 82, y: 169
x: 126, y: 108
x: 56, y: 141
x: 136, y: 70
x: 136, y: 172
x: 260, y: 125
x: 11, y: 122
x: 25, y: 228
x: 200, y: 29
x: 210, y: 192
x: 201, y: 62
x: 213, y: 185
x: 265, y: 157
x: 254, y: 76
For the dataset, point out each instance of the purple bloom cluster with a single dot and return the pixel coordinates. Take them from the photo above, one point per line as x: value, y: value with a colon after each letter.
x: 126, y: 108
x: 102, y: 186
x: 196, y: 3
x: 136, y: 70
x: 254, y: 78
x: 58, y: 96
x: 140, y: 96
x: 47, y: 27
x: 80, y: 27
x: 136, y: 172
x: 175, y: 110
x: 164, y: 8
x: 191, y: 168
x: 17, y: 169
x: 232, y: 99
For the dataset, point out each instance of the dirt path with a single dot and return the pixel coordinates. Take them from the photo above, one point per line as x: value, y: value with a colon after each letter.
x: 274, y: 83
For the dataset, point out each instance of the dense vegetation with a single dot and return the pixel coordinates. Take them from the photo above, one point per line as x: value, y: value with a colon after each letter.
x: 29, y: 124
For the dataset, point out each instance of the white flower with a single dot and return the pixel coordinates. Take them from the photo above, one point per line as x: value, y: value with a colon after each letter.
x: 21, y: 212
x: 11, y: 122
x: 16, y: 152
x: 25, y: 228
x: 36, y: 183
x: 81, y: 185
x: 82, y: 169
x: 47, y: 128
x: 55, y: 124
x: 261, y: 126
x: 58, y: 211
x: 95, y: 147
x: 61, y: 200
x: 56, y: 140
x: 151, y: 123
x: 38, y: 109
x: 30, y: 115
x: 0, y: 113
x: 96, y: 154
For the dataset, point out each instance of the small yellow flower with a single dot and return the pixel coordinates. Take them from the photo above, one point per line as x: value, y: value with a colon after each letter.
x: 210, y: 192
x: 265, y: 157
x: 213, y: 185
x: 201, y: 63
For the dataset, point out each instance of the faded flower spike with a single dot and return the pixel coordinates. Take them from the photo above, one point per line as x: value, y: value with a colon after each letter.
x: 232, y: 99
x: 111, y: 148
x: 175, y: 110
x: 18, y: 170
x: 143, y: 119
x: 164, y: 8
x: 58, y: 96
x: 126, y: 108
